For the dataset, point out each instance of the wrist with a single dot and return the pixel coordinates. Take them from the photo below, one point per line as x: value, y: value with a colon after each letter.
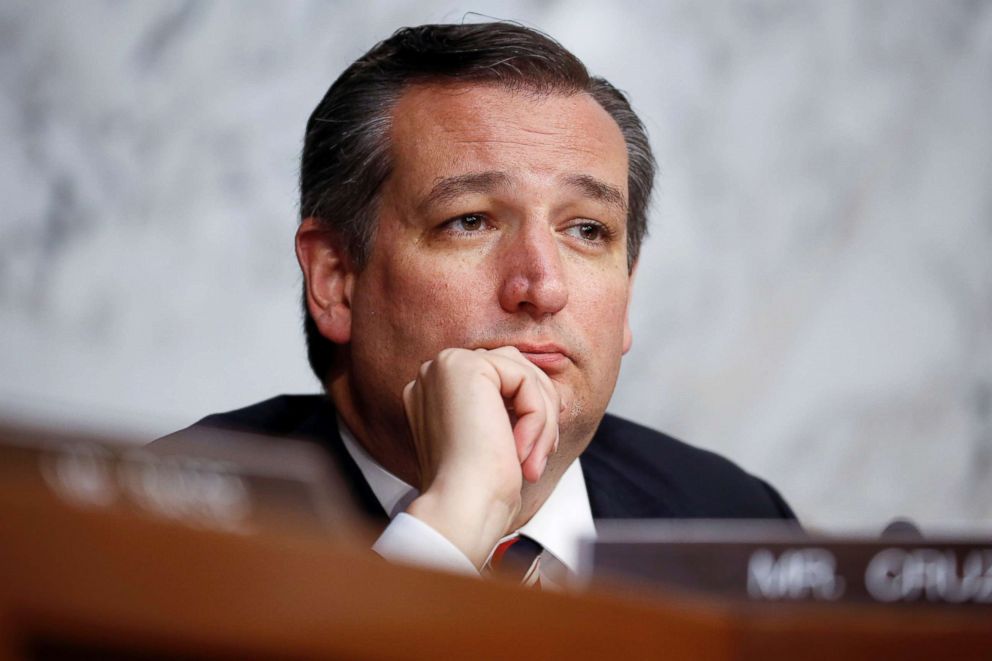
x: 472, y: 522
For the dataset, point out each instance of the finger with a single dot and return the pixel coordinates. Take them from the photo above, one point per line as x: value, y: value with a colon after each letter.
x: 514, y: 354
x: 525, y: 400
x: 555, y: 403
x: 408, y: 404
x: 550, y: 430
x: 413, y: 405
x: 533, y: 465
x: 536, y: 431
x: 547, y: 438
x: 415, y: 408
x: 522, y: 388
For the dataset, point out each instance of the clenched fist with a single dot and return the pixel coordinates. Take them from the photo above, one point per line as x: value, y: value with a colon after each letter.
x: 482, y: 421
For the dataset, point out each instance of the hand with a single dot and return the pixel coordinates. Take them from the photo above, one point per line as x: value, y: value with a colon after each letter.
x: 482, y: 422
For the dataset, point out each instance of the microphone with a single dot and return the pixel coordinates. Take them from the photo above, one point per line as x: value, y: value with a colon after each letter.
x: 902, y: 528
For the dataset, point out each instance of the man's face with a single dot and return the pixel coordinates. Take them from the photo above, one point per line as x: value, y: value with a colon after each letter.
x: 503, y: 223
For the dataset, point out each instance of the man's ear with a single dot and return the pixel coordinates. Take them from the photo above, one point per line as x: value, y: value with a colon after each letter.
x: 628, y: 337
x: 328, y: 278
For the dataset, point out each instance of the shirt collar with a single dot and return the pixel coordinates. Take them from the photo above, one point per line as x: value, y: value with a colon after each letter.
x: 562, y: 521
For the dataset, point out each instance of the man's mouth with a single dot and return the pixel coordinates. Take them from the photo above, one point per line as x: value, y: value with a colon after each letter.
x: 548, y: 357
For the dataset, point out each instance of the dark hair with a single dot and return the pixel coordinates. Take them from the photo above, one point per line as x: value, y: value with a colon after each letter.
x: 346, y: 149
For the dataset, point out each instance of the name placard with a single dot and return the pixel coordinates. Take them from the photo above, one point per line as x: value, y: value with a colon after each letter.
x: 211, y: 479
x: 770, y: 563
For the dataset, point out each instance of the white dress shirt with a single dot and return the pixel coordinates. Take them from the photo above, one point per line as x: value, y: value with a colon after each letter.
x: 559, y: 525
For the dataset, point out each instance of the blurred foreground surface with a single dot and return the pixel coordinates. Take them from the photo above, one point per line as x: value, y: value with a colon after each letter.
x: 113, y: 553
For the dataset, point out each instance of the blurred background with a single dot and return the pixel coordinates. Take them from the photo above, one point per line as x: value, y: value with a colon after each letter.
x: 815, y: 299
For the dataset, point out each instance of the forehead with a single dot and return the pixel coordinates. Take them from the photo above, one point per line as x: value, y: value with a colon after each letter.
x: 444, y: 130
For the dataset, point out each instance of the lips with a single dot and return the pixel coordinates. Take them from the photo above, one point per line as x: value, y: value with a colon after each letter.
x: 550, y: 358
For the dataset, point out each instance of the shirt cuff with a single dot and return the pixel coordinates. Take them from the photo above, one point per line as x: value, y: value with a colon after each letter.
x: 408, y: 540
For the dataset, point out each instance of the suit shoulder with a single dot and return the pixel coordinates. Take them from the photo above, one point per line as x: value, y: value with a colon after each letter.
x: 277, y: 416
x: 622, y: 439
x: 639, y: 472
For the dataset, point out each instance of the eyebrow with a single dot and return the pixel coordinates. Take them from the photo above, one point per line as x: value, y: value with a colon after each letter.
x: 598, y: 190
x: 449, y: 188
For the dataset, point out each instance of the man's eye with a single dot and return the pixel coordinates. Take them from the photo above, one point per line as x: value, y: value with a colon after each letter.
x: 592, y: 232
x: 472, y: 222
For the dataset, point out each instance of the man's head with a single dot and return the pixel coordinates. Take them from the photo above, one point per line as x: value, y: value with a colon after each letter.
x: 470, y: 187
x: 348, y: 155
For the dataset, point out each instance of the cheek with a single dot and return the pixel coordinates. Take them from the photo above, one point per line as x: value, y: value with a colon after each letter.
x: 430, y: 302
x: 605, y: 312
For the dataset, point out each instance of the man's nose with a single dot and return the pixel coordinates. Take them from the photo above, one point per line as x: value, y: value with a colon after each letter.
x: 532, y: 273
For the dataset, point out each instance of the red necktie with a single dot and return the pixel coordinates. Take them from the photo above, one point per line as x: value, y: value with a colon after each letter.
x: 518, y: 559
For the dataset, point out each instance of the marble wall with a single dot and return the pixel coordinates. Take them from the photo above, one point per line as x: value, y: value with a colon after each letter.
x: 815, y: 300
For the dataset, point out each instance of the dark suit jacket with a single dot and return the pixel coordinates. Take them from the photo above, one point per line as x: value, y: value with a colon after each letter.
x: 631, y: 472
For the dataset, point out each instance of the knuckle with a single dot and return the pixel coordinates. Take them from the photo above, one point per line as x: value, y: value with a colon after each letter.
x: 456, y: 360
x: 449, y: 355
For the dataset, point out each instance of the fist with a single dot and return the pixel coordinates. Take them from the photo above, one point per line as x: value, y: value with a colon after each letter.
x: 482, y: 422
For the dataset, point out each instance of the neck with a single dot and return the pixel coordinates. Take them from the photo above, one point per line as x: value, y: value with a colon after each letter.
x: 533, y: 496
x: 387, y: 441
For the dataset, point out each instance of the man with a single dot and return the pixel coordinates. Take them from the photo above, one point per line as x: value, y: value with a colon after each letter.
x: 473, y: 204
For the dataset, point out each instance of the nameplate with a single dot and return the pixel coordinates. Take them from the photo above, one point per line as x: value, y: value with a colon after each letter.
x: 218, y: 480
x: 778, y: 564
